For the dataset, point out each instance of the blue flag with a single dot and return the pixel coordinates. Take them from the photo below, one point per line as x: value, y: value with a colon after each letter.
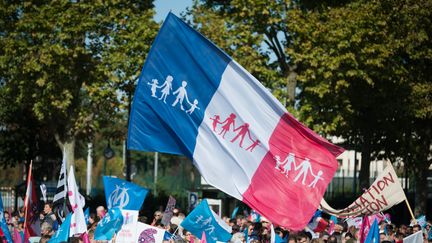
x: 202, y: 219
x: 62, y: 234
x: 3, y: 223
x: 122, y: 194
x: 422, y: 221
x: 87, y: 215
x: 109, y: 225
x: 373, y: 235
x: 278, y: 239
x: 234, y: 213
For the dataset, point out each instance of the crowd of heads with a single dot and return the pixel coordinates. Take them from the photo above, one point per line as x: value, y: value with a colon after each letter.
x: 243, y: 229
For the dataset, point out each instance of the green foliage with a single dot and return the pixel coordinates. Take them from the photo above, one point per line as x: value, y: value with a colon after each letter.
x: 362, y: 67
x: 68, y: 64
x: 221, y: 24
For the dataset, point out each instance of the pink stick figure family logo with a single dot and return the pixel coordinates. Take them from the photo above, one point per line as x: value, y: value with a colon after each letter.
x: 288, y: 166
x: 228, y: 126
x: 181, y: 94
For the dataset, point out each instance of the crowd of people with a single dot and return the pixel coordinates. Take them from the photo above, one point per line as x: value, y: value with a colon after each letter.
x: 243, y: 229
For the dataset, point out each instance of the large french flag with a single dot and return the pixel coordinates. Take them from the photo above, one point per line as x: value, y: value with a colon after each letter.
x: 193, y: 99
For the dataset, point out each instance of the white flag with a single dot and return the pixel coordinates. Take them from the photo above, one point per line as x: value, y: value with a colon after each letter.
x: 384, y: 193
x: 414, y: 238
x: 77, y: 202
x: 272, y: 234
x: 147, y: 232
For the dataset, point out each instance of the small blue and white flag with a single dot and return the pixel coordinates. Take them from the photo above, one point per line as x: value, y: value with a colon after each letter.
x: 203, y: 219
x: 62, y: 234
x: 3, y: 223
x: 87, y: 215
x: 422, y: 221
x: 123, y: 194
x: 109, y: 225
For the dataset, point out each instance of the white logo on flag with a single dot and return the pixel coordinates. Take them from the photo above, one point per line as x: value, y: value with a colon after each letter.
x: 289, y: 164
x: 206, y: 224
x: 118, y: 198
x: 181, y: 93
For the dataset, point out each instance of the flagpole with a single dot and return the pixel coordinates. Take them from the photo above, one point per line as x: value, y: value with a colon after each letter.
x: 27, y: 198
x: 409, y: 209
x: 156, y: 162
x: 173, y: 234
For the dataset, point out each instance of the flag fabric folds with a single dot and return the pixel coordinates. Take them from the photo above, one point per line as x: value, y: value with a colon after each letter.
x: 364, y: 230
x: 203, y: 220
x: 123, y: 194
x: 148, y: 233
x: 59, y: 200
x: 318, y: 224
x: 87, y: 215
x: 203, y: 238
x: 77, y: 202
x: 234, y: 212
x: 414, y: 238
x: 17, y: 237
x: 167, y: 215
x: 193, y: 99
x: 373, y: 235
x: 62, y: 234
x: 384, y: 193
x: 109, y: 225
x: 30, y: 206
x: 3, y: 223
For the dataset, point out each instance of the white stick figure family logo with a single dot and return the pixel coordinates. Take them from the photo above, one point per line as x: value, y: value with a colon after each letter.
x: 181, y: 94
x: 241, y: 131
x: 289, y: 165
x: 206, y: 224
x: 118, y: 198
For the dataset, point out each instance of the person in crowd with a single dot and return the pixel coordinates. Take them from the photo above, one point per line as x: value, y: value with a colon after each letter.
x: 238, y: 237
x: 45, y: 238
x: 235, y: 228
x: 188, y: 236
x: 100, y: 212
x: 47, y: 216
x: 92, y: 219
x: 46, y: 229
x: 416, y: 228
x: 156, y: 216
x: 303, y: 237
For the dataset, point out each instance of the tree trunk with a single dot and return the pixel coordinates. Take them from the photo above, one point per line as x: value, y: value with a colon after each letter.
x: 421, y: 189
x: 68, y: 150
x: 364, y: 174
x: 291, y: 85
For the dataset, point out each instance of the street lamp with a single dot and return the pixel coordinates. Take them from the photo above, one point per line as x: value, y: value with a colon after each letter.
x: 108, y: 153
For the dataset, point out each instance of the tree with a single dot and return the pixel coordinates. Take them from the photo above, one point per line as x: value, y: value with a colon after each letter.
x: 254, y: 33
x: 53, y: 62
x: 242, y: 43
x: 361, y: 66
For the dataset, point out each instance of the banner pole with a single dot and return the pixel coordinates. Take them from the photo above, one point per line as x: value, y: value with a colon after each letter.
x: 410, y: 210
x: 173, y: 234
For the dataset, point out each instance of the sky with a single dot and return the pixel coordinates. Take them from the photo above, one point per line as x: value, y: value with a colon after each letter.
x: 163, y: 7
